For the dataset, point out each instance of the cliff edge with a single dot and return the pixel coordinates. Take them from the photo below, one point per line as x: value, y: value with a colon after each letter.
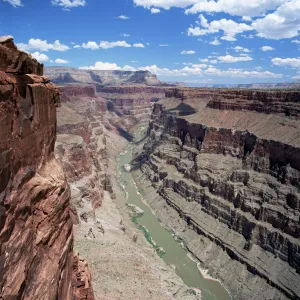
x: 36, y: 235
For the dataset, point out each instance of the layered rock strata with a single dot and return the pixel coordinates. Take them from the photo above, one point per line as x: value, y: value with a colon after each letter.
x: 36, y: 237
x: 124, y: 266
x: 228, y: 184
x: 66, y: 75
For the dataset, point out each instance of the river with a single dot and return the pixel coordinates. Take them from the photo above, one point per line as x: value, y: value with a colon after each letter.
x: 174, y: 254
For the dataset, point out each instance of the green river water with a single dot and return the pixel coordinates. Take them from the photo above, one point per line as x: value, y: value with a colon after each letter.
x: 175, y: 254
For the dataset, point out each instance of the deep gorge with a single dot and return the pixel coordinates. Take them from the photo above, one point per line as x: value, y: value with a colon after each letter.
x: 219, y: 168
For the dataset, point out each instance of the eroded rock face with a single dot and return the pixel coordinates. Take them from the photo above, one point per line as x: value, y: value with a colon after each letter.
x: 36, y: 234
x: 66, y: 75
x: 237, y: 191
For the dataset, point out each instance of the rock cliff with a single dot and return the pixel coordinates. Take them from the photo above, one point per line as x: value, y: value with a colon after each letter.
x: 36, y: 236
x: 66, y: 75
x: 123, y: 264
x: 226, y: 168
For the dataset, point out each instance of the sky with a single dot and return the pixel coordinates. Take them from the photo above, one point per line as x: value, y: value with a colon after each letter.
x: 192, y: 41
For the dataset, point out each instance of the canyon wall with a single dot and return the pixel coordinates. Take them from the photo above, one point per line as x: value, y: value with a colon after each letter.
x: 67, y: 75
x: 226, y: 167
x: 89, y: 139
x: 36, y: 237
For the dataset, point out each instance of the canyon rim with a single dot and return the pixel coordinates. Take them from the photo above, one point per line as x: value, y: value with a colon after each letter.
x: 149, y: 150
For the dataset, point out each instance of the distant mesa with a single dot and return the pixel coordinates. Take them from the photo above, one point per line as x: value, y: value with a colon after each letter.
x: 66, y: 75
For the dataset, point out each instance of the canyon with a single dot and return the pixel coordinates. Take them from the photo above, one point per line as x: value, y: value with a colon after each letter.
x: 218, y: 168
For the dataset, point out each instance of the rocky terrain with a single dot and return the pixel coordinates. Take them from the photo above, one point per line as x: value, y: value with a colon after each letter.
x: 221, y: 169
x: 67, y: 75
x: 91, y: 133
x: 36, y: 236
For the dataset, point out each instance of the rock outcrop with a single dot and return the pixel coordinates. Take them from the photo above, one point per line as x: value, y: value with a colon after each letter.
x: 229, y: 184
x: 36, y: 237
x: 66, y: 75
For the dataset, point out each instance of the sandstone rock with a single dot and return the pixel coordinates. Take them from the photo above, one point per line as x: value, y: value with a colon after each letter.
x: 36, y: 226
x: 237, y: 188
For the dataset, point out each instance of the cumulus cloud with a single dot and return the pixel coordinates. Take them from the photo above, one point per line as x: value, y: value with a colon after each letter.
x: 240, y: 49
x: 108, y: 45
x: 155, y: 10
x: 267, y: 48
x: 90, y: 45
x: 229, y: 27
x: 77, y: 46
x: 14, y: 3
x: 287, y: 62
x: 236, y: 7
x: 37, y: 44
x: 122, y: 17
x: 215, y: 42
x: 283, y: 23
x: 188, y: 52
x: 125, y: 34
x: 240, y: 73
x: 189, y: 69
x: 233, y: 59
x: 67, y: 4
x: 166, y: 4
x: 246, y: 19
x: 296, y: 41
x: 61, y: 61
x: 138, y: 45
x: 163, y: 45
x: 40, y: 57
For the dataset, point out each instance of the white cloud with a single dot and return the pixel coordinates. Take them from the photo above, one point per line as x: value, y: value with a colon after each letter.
x: 67, y: 4
x: 90, y: 45
x: 37, y: 44
x: 296, y: 77
x: 296, y: 41
x: 258, y: 68
x: 108, y: 45
x: 205, y: 60
x: 138, y: 45
x: 125, y: 34
x: 133, y: 61
x: 189, y: 70
x: 166, y: 4
x: 61, y: 61
x: 153, y: 69
x: 155, y: 10
x: 240, y: 73
x: 233, y: 59
x: 236, y: 7
x: 163, y: 45
x: 283, y: 23
x: 188, y: 52
x: 287, y: 62
x: 77, y: 46
x: 122, y: 17
x: 246, y: 19
x: 229, y: 27
x: 215, y: 42
x: 40, y: 57
x: 14, y: 3
x: 267, y: 48
x: 241, y: 49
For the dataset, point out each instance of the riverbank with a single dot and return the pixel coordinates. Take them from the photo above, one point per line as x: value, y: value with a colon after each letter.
x: 175, y: 252
x: 123, y: 264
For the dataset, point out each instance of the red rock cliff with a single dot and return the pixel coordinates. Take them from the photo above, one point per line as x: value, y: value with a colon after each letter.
x: 36, y: 237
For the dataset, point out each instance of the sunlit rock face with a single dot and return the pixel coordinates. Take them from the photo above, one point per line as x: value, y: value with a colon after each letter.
x: 228, y: 164
x: 36, y: 237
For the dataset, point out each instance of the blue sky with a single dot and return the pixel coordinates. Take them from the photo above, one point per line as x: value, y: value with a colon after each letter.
x: 195, y: 41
